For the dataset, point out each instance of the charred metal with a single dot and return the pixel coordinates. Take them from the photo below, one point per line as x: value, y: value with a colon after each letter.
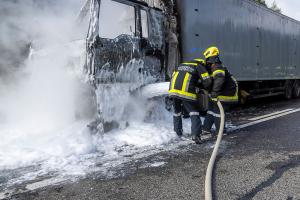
x: 143, y: 40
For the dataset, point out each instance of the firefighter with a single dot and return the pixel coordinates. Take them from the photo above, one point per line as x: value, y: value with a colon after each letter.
x: 187, y: 78
x: 224, y: 88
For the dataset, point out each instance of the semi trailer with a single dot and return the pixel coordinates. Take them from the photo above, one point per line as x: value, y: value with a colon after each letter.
x: 259, y: 46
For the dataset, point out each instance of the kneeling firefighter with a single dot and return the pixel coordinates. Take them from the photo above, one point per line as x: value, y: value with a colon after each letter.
x: 186, y: 80
x: 224, y: 89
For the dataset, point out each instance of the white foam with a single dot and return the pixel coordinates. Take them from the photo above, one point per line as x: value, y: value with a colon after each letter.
x: 41, y: 125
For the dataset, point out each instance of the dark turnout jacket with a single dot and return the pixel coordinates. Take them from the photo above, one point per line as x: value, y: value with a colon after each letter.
x: 225, y: 86
x: 186, y: 78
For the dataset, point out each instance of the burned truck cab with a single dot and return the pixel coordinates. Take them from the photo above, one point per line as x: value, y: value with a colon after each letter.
x: 125, y: 42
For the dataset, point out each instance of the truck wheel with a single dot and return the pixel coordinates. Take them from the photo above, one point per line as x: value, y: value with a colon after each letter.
x: 288, y: 93
x: 296, y: 89
x: 243, y: 96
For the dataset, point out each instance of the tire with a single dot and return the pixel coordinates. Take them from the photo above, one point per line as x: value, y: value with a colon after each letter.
x: 288, y: 93
x: 296, y: 89
x: 243, y: 96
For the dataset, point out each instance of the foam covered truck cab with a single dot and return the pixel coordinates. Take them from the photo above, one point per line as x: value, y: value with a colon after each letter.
x: 129, y: 47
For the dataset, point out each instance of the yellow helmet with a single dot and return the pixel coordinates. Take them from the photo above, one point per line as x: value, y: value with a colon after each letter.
x: 210, y: 52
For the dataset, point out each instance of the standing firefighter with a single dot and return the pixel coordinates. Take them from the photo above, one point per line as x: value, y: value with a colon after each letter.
x: 186, y: 80
x: 224, y: 88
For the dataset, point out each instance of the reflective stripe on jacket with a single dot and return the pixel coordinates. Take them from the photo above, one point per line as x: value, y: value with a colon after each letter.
x: 186, y: 78
x: 225, y: 85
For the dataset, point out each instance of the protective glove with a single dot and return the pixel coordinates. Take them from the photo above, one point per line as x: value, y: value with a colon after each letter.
x: 213, y: 95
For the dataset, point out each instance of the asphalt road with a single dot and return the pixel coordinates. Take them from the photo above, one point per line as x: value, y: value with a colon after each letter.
x: 258, y: 162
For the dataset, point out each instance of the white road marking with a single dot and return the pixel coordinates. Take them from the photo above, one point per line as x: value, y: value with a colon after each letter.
x: 264, y: 120
x: 268, y: 115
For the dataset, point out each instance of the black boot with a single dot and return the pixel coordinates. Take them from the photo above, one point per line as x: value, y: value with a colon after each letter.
x: 214, y: 135
x: 197, y: 139
x: 179, y: 133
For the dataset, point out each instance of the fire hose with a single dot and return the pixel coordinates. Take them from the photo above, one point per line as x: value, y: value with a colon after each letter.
x: 210, y: 167
x: 158, y: 89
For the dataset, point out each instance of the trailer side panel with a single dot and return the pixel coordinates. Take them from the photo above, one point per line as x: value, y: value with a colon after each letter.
x: 255, y: 42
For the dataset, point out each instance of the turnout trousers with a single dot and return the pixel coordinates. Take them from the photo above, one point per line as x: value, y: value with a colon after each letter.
x: 192, y: 109
x: 213, y: 115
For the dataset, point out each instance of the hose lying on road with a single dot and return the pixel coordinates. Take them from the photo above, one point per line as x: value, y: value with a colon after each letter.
x: 210, y: 167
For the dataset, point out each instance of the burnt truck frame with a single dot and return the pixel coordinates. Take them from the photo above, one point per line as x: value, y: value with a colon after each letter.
x: 138, y: 49
x: 259, y: 46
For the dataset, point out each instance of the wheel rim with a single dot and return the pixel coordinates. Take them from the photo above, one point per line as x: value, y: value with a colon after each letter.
x: 288, y: 92
x: 296, y: 90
